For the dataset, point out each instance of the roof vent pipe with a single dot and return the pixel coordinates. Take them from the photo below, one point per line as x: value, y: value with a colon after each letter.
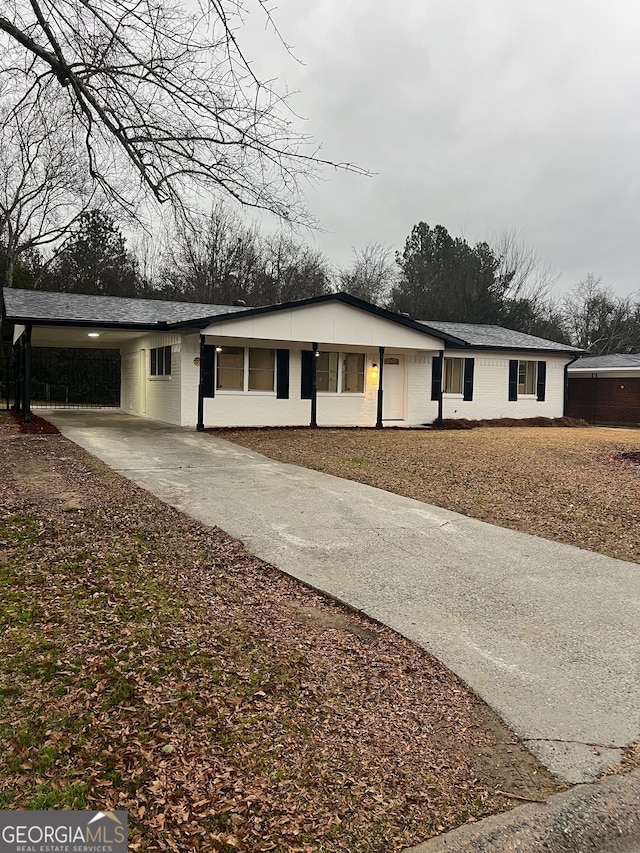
x: 240, y: 303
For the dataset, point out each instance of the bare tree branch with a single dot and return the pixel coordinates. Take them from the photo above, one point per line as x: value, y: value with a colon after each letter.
x: 165, y: 94
x: 43, y: 190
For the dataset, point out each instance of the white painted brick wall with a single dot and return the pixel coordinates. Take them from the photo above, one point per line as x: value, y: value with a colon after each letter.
x: 265, y: 410
x: 190, y: 374
x: 491, y: 389
x: 163, y: 393
x: 175, y: 400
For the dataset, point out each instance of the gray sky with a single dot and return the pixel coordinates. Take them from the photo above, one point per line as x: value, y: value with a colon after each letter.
x: 480, y: 116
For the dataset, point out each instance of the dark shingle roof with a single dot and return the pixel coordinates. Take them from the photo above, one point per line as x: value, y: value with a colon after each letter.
x: 495, y: 337
x: 77, y: 308
x: 618, y: 361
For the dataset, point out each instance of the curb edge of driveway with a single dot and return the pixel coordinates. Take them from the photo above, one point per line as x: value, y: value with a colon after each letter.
x: 601, y: 817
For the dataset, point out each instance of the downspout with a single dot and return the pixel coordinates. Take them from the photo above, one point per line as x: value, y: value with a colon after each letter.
x: 379, y: 412
x: 200, y: 421
x: 565, y: 401
x: 439, y: 418
x: 26, y: 393
x: 314, y: 389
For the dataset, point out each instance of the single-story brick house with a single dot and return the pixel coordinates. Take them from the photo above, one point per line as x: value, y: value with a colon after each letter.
x: 605, y: 389
x: 329, y: 360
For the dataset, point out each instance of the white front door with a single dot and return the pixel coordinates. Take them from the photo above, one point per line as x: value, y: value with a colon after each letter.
x: 393, y: 388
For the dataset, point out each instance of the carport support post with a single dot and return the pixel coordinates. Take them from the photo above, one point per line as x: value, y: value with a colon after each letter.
x: 314, y: 389
x: 17, y: 375
x: 380, y: 369
x: 26, y: 391
x: 200, y: 424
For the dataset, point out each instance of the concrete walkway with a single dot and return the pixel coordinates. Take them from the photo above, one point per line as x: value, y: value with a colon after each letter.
x: 547, y: 634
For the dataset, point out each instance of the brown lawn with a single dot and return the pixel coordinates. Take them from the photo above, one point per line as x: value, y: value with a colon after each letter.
x: 150, y: 664
x: 560, y: 483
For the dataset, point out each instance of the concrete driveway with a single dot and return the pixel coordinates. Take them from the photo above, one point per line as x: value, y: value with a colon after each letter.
x: 547, y: 634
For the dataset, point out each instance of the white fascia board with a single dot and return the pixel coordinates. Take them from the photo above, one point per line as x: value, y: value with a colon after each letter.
x: 18, y: 332
x: 605, y: 370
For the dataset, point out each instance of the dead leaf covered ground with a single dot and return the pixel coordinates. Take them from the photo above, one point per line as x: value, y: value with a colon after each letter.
x: 579, y: 486
x: 150, y: 664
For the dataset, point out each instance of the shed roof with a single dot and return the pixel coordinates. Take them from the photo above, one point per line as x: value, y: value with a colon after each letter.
x: 619, y: 361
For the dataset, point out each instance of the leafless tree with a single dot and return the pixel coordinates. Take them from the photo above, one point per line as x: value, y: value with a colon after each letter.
x: 43, y: 188
x: 521, y: 268
x: 371, y: 275
x: 212, y: 260
x: 223, y: 259
x: 289, y: 270
x: 599, y: 320
x: 162, y: 90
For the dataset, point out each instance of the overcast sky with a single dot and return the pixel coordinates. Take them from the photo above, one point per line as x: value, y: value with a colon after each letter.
x: 480, y: 115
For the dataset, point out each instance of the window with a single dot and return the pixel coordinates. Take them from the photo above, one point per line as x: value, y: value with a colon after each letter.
x: 327, y: 371
x: 245, y: 369
x: 340, y: 372
x: 453, y: 373
x: 527, y: 375
x: 353, y: 373
x: 160, y: 361
x: 230, y: 369
x: 261, y: 369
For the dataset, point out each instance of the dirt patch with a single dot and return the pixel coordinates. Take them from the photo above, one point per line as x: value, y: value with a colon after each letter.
x: 626, y: 457
x: 38, y: 425
x: 151, y: 664
x: 464, y: 423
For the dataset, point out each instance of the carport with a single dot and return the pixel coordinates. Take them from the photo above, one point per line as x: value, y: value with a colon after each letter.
x: 80, y: 322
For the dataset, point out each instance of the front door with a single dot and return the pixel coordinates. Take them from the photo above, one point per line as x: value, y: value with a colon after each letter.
x: 393, y: 388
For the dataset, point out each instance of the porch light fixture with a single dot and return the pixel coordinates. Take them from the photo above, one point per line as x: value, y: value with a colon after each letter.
x: 317, y: 354
x: 93, y: 334
x: 218, y: 349
x: 374, y: 370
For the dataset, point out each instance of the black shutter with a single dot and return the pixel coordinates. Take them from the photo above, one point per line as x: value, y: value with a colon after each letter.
x: 207, y: 371
x: 468, y: 379
x: 436, y: 377
x: 306, y: 384
x: 542, y: 380
x: 513, y: 379
x: 282, y: 374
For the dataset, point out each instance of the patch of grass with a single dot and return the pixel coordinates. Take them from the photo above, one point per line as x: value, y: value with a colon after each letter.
x: 45, y: 797
x: 19, y: 529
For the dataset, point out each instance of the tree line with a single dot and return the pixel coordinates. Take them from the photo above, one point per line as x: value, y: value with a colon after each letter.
x: 435, y: 277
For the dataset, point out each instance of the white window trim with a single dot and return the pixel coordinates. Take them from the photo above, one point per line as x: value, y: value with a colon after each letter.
x: 534, y: 394
x: 244, y: 392
x: 160, y: 377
